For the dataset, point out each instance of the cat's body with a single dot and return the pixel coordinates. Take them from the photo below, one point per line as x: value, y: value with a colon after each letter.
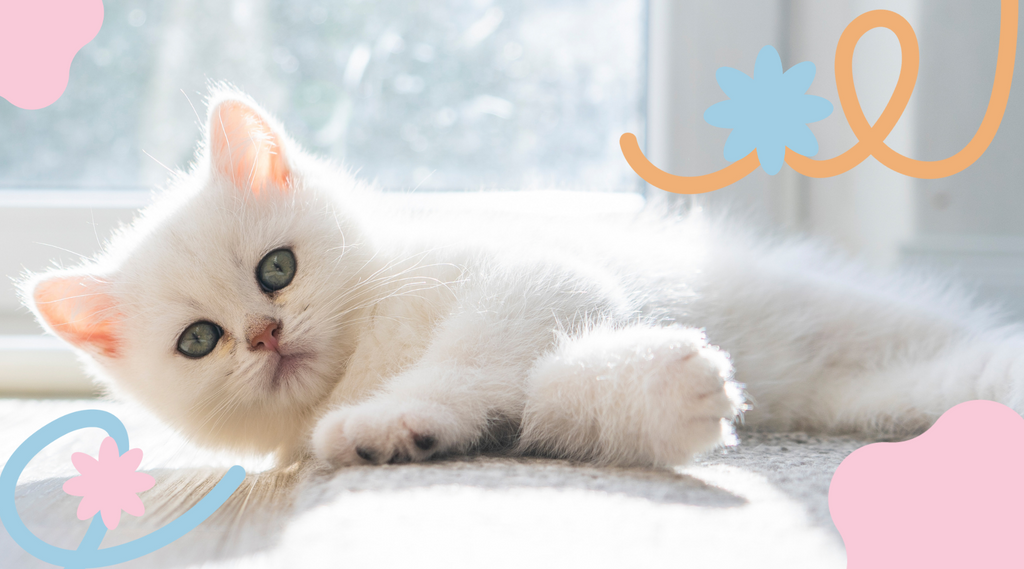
x: 398, y: 336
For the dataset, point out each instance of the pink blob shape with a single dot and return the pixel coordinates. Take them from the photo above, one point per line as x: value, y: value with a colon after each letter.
x: 38, y: 40
x: 951, y: 497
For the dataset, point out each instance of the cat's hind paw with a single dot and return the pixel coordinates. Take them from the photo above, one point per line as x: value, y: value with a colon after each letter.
x: 382, y: 432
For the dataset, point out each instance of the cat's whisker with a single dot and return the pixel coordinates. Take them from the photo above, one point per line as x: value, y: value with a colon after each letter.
x: 389, y: 279
x: 199, y: 121
x: 173, y: 173
x: 79, y: 255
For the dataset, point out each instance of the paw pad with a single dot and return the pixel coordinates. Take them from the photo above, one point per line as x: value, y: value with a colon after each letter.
x: 424, y: 442
x: 365, y: 454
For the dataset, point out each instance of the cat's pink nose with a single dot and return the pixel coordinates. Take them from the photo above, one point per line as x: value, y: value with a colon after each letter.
x: 267, y: 339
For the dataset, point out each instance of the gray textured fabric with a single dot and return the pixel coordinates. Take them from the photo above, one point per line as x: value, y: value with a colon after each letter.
x: 760, y: 504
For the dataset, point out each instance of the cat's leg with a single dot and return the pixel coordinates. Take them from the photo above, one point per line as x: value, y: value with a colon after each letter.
x: 630, y: 396
x: 822, y: 344
x: 427, y: 410
x: 468, y: 388
x: 903, y: 395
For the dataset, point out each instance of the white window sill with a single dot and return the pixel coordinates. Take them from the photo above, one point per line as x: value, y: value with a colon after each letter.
x: 37, y: 365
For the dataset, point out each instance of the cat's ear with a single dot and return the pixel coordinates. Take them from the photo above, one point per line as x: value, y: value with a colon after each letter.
x: 245, y: 148
x: 79, y: 309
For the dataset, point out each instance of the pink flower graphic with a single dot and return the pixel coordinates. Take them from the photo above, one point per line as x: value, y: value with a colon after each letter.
x: 110, y: 484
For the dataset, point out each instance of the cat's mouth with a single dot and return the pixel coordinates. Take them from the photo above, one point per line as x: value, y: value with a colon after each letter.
x: 285, y: 369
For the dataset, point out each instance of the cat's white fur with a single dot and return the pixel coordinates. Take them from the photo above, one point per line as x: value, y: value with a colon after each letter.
x: 417, y: 335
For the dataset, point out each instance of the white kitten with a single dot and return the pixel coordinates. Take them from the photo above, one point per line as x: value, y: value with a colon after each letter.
x: 269, y: 302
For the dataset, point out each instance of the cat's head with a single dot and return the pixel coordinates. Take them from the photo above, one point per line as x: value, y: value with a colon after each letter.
x: 226, y: 307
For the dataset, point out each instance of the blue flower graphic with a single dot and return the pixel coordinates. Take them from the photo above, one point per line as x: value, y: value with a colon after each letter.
x: 768, y: 112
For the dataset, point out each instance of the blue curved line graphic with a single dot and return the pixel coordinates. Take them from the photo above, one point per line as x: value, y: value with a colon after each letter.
x: 88, y: 554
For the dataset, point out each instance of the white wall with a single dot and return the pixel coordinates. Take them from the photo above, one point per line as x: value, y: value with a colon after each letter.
x: 972, y: 222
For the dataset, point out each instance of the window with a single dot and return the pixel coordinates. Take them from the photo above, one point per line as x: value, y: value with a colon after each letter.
x: 452, y: 94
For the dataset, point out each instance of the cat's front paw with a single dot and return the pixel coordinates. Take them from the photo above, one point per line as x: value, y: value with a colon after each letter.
x: 691, y: 399
x: 383, y: 432
x: 632, y: 396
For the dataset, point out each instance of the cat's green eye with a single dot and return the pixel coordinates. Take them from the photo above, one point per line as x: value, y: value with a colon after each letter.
x: 199, y: 339
x: 276, y: 270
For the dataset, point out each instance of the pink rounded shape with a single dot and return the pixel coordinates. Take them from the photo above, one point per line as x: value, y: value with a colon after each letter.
x: 952, y: 497
x: 38, y: 40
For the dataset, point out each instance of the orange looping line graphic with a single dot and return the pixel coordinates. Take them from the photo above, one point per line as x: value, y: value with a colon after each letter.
x: 870, y: 138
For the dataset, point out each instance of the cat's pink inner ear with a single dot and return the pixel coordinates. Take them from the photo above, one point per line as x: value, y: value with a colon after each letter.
x: 246, y: 149
x: 77, y: 309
